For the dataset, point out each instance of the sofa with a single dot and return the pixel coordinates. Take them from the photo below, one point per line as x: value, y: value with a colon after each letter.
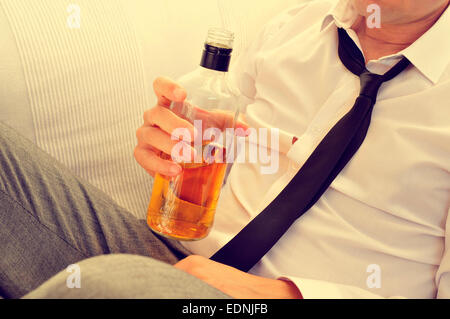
x: 76, y: 76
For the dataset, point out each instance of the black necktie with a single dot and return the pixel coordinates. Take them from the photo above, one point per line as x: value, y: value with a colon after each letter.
x: 316, y: 175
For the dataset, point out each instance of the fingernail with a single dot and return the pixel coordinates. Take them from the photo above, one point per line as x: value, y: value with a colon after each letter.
x: 175, y: 169
x: 243, y: 131
x: 179, y: 94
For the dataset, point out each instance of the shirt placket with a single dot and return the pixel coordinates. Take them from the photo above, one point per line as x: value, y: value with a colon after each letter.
x: 338, y: 103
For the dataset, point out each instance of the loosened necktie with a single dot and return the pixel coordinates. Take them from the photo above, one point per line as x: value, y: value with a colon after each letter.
x: 321, y: 168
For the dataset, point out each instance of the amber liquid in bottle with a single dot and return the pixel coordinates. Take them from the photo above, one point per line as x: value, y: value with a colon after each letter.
x: 183, y: 207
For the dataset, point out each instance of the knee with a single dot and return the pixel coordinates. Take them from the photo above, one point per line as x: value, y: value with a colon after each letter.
x: 106, y: 276
x: 125, y: 276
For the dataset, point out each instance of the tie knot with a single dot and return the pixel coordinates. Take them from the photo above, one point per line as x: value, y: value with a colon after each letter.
x: 370, y: 84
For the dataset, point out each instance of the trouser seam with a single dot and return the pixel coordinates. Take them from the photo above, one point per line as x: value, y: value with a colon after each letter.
x: 42, y: 224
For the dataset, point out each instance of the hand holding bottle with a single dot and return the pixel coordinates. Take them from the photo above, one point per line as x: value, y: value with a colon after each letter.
x: 154, y: 136
x: 194, y: 124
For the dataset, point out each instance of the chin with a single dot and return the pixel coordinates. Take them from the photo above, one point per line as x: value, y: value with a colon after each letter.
x: 361, y: 5
x: 392, y: 11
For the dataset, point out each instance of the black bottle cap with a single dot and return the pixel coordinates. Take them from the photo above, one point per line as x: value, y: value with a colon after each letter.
x: 216, y: 58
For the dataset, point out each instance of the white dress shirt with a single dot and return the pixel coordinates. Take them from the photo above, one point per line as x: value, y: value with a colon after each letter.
x: 382, y: 227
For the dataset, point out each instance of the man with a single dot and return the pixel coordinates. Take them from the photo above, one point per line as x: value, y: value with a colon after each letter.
x: 380, y: 229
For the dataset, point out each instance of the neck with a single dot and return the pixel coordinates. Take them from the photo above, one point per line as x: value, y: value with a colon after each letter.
x: 392, y: 38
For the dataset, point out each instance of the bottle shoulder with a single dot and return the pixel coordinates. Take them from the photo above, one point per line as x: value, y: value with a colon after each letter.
x: 208, y: 88
x: 202, y: 77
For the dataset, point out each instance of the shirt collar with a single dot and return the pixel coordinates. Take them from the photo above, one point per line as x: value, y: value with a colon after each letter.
x: 430, y: 54
x: 342, y: 13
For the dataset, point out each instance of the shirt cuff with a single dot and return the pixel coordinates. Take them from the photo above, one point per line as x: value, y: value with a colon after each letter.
x: 319, y: 289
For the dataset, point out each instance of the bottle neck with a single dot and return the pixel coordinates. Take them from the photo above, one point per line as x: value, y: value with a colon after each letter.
x: 216, y: 58
x: 210, y: 73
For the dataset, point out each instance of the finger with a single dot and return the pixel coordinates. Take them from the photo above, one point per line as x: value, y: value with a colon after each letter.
x: 149, y: 136
x: 167, y: 120
x: 152, y: 163
x: 167, y: 91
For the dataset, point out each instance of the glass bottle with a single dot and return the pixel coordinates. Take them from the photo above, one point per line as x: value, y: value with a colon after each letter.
x: 183, y: 207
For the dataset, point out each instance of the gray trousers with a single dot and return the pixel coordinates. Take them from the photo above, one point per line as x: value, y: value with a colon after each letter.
x: 50, y: 219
